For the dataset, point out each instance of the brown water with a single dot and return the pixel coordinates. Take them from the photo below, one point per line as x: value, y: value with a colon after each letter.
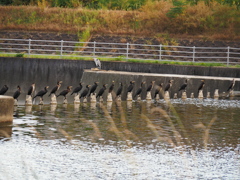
x: 192, y: 139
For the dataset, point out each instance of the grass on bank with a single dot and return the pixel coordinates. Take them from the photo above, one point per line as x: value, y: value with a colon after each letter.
x: 215, y: 21
x: 122, y: 59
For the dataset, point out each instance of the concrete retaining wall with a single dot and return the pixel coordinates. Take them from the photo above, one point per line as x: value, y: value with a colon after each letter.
x: 172, y: 69
x: 24, y: 71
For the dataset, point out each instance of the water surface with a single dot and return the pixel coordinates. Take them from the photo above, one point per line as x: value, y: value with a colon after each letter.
x: 192, y: 139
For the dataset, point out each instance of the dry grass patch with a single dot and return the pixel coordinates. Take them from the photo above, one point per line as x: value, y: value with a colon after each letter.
x: 151, y: 19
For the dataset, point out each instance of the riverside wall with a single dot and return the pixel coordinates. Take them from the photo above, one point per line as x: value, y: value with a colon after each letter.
x: 24, y: 71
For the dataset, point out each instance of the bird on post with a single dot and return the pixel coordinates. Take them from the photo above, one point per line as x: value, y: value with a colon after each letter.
x: 31, y: 90
x: 183, y: 87
x: 85, y: 92
x: 119, y: 91
x: 56, y: 88
x: 158, y: 89
x: 111, y: 87
x: 3, y: 90
x: 231, y: 85
x: 139, y: 91
x: 130, y: 87
x: 201, y: 85
x: 17, y: 93
x: 65, y: 92
x: 169, y: 85
x: 41, y: 93
x: 101, y: 91
x: 77, y: 89
x: 97, y: 63
x: 93, y: 88
x: 149, y: 88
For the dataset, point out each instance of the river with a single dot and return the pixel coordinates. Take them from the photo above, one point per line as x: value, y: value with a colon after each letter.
x: 182, y: 139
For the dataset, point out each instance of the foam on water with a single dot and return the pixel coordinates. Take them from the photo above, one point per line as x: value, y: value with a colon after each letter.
x: 27, y: 158
x: 219, y: 103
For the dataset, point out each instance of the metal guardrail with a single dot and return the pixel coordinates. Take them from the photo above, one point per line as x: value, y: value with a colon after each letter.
x: 226, y: 55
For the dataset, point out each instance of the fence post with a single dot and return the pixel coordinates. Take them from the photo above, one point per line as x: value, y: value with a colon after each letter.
x: 127, y: 51
x: 94, y: 48
x: 193, y: 53
x: 228, y: 51
x: 160, y: 53
x: 29, y: 47
x: 61, y: 48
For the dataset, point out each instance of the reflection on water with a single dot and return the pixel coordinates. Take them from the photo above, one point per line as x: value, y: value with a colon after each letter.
x: 194, y: 139
x: 5, y: 130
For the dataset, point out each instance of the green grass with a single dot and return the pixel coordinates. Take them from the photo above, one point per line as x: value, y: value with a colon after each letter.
x: 178, y: 63
x: 122, y: 59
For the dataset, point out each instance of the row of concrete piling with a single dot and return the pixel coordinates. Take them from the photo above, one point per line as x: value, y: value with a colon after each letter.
x: 7, y: 101
x: 123, y: 77
x: 111, y: 97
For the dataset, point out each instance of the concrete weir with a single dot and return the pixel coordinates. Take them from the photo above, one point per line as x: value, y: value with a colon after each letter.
x: 45, y: 72
x: 6, y: 108
x: 211, y: 83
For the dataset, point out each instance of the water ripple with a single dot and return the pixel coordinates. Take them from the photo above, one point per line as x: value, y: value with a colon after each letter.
x: 31, y: 159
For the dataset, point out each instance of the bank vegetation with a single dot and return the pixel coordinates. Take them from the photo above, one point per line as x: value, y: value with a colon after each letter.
x: 204, y: 19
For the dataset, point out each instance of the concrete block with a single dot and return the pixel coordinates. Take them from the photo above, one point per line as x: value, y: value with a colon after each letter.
x: 76, y: 99
x: 28, y: 101
x: 53, y: 99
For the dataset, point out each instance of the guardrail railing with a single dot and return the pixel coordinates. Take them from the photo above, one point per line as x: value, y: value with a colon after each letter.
x: 226, y: 55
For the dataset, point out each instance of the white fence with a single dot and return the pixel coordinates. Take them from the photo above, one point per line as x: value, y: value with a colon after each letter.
x: 227, y: 55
